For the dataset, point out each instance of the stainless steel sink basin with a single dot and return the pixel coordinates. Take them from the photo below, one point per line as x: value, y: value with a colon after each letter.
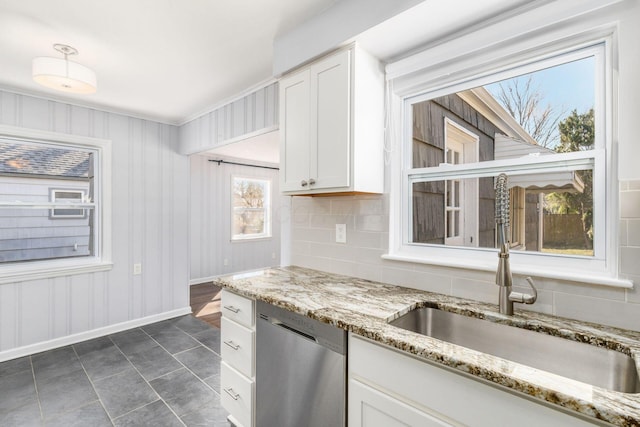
x: 593, y: 365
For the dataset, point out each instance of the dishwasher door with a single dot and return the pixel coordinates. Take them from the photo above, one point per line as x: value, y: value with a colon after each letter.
x: 300, y: 370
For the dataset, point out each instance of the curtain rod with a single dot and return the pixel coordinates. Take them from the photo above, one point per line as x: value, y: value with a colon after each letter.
x: 243, y: 164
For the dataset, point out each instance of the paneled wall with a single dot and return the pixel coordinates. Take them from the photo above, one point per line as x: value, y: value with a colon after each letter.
x: 212, y: 252
x: 150, y: 213
x: 250, y: 115
x: 367, y: 219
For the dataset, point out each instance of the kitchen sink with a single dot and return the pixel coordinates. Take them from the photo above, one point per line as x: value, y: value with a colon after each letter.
x: 593, y: 365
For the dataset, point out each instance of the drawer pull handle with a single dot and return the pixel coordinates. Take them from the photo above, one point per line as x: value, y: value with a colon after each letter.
x: 233, y: 394
x: 232, y: 345
x: 232, y: 308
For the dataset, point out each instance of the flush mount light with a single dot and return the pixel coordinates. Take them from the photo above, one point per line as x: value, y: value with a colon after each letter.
x: 62, y: 74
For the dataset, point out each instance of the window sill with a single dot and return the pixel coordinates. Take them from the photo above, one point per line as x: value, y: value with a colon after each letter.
x: 50, y: 269
x: 250, y: 239
x: 523, y: 270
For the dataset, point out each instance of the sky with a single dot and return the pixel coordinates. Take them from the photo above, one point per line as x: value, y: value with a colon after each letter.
x: 565, y: 87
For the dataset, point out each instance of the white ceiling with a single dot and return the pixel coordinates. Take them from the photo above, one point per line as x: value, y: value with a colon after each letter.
x: 167, y: 60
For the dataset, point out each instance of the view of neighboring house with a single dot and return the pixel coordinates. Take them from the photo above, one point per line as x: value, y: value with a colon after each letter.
x: 31, y: 174
x: 471, y: 127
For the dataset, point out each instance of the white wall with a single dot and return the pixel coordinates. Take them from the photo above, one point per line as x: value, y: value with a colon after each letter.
x: 210, y: 222
x: 252, y: 114
x: 150, y: 214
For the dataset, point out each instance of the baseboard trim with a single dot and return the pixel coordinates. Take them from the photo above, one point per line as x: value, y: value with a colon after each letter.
x: 203, y: 280
x: 30, y: 349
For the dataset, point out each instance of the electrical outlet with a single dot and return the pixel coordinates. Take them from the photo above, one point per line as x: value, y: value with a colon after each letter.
x: 341, y: 233
x: 225, y: 262
x: 273, y: 255
x: 137, y: 269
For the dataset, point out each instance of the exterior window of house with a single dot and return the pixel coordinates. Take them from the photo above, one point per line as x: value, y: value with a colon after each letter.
x: 543, y: 123
x: 53, y: 204
x: 251, y: 216
x: 68, y: 196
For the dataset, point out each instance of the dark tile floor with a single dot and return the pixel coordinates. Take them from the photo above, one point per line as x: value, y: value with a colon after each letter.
x: 163, y: 374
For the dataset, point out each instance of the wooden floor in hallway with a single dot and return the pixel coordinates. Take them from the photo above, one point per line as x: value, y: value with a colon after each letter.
x: 205, y: 303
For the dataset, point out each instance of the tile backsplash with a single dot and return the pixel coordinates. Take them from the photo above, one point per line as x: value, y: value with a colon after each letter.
x: 313, y: 245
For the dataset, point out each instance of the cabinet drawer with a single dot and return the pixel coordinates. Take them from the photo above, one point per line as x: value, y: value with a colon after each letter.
x: 237, y: 346
x: 237, y: 394
x: 238, y: 308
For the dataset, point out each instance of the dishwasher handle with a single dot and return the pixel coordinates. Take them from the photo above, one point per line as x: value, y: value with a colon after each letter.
x: 276, y: 322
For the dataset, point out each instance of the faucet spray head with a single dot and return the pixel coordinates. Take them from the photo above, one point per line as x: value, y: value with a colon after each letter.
x: 502, y: 200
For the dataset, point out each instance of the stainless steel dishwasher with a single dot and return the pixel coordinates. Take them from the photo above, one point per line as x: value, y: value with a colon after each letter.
x: 301, y: 369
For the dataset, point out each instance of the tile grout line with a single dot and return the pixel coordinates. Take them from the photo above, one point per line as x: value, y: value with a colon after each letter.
x: 93, y: 386
x: 144, y: 379
x: 185, y: 367
x: 35, y: 386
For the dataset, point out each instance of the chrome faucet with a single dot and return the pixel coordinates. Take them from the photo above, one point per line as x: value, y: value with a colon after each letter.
x: 504, y: 279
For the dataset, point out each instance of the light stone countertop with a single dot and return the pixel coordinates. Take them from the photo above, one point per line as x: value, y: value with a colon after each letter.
x: 365, y: 308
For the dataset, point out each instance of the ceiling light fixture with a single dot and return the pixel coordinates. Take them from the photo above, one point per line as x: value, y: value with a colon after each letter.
x: 62, y: 74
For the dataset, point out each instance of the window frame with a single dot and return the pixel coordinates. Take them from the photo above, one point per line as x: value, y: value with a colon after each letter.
x: 601, y: 270
x: 101, y: 259
x: 54, y: 199
x: 267, y: 233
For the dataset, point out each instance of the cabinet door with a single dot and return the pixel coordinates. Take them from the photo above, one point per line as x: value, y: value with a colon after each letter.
x: 369, y: 407
x: 294, y: 131
x: 330, y: 122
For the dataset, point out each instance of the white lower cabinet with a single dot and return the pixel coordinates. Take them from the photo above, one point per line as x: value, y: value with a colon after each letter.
x: 390, y: 388
x: 237, y: 395
x: 372, y: 408
x: 237, y: 379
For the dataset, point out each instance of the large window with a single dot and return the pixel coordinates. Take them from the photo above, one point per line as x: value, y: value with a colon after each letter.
x: 53, y: 204
x: 251, y: 217
x: 546, y: 124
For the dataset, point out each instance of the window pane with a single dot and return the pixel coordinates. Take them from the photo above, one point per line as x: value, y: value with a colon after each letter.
x: 549, y: 212
x: 542, y: 113
x: 33, y: 173
x: 30, y: 235
x: 250, y: 208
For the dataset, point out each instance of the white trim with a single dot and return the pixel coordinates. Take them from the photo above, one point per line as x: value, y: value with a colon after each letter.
x: 470, y: 189
x: 519, y: 269
x: 207, y: 279
x: 47, y: 205
x: 267, y: 202
x: 234, y: 98
x: 25, y: 271
x: 27, y: 350
x: 101, y: 261
x: 461, y: 71
x: 259, y: 132
x: 90, y: 105
x: 564, y: 23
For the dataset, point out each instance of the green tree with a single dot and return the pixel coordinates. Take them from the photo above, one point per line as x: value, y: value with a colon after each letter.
x: 577, y: 133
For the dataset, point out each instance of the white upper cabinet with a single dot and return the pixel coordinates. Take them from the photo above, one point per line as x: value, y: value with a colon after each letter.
x: 331, y: 126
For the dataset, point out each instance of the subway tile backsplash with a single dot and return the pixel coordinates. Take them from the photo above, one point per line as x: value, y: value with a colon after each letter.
x: 313, y: 245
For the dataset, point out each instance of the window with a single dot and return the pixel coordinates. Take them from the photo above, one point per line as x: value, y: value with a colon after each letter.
x: 251, y: 217
x: 54, y: 204
x: 68, y: 196
x: 546, y: 124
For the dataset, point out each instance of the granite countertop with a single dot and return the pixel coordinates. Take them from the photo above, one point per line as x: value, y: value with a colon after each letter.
x: 365, y: 308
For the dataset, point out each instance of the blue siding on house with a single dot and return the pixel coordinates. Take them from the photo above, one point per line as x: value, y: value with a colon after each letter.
x: 32, y: 234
